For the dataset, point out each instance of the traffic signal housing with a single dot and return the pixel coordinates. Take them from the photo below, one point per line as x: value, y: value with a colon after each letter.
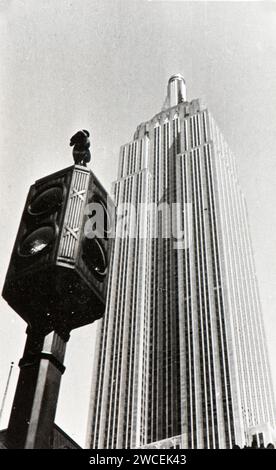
x: 58, y: 271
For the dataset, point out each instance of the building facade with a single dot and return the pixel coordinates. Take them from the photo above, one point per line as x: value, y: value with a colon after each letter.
x: 181, y: 357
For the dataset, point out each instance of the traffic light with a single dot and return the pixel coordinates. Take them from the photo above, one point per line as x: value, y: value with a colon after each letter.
x: 57, y: 276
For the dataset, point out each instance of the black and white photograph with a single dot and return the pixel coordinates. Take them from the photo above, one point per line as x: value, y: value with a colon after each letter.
x: 138, y: 228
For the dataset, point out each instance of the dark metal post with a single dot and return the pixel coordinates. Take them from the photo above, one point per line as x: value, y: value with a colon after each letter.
x: 34, y: 406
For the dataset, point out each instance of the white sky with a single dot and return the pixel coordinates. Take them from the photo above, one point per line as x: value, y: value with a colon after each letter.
x: 104, y: 65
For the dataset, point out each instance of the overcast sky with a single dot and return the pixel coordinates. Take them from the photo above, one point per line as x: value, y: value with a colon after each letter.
x: 104, y: 66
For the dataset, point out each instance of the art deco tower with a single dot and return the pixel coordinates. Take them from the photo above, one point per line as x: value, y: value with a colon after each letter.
x: 181, y: 357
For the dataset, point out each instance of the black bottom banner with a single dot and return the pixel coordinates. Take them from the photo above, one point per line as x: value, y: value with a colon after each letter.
x: 137, y: 457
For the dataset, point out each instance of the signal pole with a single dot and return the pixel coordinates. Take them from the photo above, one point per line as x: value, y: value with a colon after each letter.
x: 56, y: 281
x: 35, y: 401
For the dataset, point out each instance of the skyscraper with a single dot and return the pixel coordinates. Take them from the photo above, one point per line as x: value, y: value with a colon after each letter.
x: 181, y: 358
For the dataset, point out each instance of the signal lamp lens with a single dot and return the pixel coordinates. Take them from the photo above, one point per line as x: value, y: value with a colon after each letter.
x: 95, y: 258
x: 37, y: 241
x: 47, y: 201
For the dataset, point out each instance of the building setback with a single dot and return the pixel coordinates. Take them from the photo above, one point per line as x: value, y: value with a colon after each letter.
x: 181, y: 357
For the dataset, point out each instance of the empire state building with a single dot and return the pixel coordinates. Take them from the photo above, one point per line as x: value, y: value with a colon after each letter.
x: 181, y: 358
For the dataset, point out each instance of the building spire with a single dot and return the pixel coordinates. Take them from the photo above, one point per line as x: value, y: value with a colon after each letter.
x: 176, y: 91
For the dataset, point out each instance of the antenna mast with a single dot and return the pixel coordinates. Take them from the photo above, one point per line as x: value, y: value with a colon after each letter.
x: 6, y: 390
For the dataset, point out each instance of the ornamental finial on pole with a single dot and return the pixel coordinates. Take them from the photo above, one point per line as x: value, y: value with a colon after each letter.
x: 81, y: 143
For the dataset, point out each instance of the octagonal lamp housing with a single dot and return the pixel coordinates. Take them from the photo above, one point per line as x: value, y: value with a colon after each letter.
x: 58, y: 271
